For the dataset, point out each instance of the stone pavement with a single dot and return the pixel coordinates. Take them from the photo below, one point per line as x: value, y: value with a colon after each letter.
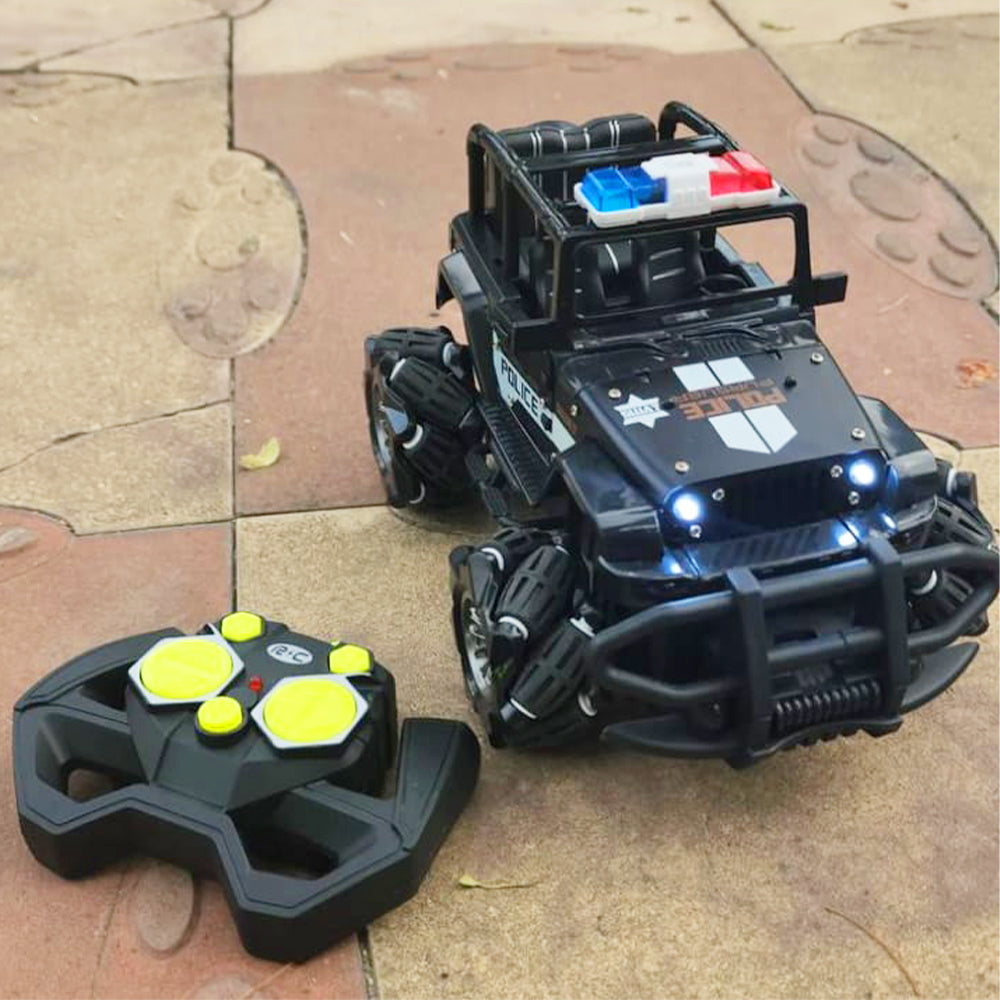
x: 207, y: 207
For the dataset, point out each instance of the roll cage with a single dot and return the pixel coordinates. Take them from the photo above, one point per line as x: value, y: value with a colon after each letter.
x: 508, y: 203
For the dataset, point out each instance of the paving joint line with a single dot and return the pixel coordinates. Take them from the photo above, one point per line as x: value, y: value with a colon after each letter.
x: 368, y: 964
x: 36, y: 64
x: 138, y: 422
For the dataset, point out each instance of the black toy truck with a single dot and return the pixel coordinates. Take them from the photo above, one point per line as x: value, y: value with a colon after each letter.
x: 709, y: 545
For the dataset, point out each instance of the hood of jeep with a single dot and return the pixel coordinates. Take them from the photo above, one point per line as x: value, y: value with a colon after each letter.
x: 669, y: 425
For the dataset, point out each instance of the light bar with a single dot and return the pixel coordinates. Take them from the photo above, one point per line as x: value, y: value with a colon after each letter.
x: 675, y: 186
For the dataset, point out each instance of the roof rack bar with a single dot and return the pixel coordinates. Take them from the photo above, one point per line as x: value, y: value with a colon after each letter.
x: 636, y: 151
x: 548, y: 215
x: 676, y: 113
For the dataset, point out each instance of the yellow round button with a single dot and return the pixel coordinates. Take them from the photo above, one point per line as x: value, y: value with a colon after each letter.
x: 220, y: 716
x: 310, y: 710
x: 241, y: 626
x: 348, y: 659
x: 185, y: 669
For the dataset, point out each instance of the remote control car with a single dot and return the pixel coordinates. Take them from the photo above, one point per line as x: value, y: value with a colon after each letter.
x: 709, y: 545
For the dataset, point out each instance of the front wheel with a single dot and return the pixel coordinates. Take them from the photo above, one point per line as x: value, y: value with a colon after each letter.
x: 521, y: 640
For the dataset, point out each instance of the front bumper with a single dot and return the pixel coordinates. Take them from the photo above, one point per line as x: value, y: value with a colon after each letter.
x: 900, y: 669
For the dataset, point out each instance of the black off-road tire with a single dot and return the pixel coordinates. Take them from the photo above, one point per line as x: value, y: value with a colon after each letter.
x: 422, y: 418
x: 525, y: 682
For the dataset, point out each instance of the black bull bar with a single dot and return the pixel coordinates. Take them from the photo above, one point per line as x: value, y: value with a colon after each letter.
x: 741, y: 607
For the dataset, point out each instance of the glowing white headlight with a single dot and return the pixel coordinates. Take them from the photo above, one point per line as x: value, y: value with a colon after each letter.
x: 863, y: 472
x: 686, y: 507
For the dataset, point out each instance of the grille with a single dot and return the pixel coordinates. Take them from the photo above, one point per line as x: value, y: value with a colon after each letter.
x: 787, y: 495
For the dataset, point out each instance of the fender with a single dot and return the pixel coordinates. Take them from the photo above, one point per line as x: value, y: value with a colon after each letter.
x: 457, y: 281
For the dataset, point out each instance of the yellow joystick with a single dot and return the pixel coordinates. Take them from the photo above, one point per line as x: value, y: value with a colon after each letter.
x: 241, y: 626
x: 220, y: 716
x: 310, y: 710
x: 185, y: 669
x: 348, y: 659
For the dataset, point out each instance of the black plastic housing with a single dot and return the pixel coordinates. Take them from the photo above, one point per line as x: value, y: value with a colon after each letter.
x: 306, y: 849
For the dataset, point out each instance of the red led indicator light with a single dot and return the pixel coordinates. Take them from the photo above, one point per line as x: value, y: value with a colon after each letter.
x: 256, y: 684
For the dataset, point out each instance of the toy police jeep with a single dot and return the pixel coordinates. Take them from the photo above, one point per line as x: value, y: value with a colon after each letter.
x: 710, y: 546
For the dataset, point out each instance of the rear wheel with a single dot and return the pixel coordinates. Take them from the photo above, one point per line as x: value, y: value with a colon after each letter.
x: 422, y: 417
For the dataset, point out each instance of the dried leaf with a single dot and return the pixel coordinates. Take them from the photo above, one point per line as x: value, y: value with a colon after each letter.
x: 268, y: 455
x: 771, y: 26
x: 471, y: 882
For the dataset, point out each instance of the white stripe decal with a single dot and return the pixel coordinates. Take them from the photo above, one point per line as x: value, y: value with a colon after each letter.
x: 514, y: 388
x: 738, y: 433
x: 729, y: 371
x: 772, y: 425
x: 694, y: 377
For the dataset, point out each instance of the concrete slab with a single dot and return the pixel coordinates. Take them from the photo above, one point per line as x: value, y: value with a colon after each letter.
x: 198, y: 49
x: 656, y: 877
x: 31, y: 30
x: 780, y: 23
x: 274, y: 40
x: 378, y: 214
x: 91, y: 166
x: 929, y: 84
x: 168, y: 470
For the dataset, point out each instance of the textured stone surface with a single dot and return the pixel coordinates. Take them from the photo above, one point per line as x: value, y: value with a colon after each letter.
x: 163, y: 904
x: 378, y: 227
x: 274, y: 40
x: 894, y: 205
x: 209, y: 961
x: 178, y: 53
x: 90, y: 591
x: 232, y: 254
x: 27, y: 540
x: 31, y: 30
x: 934, y: 91
x: 88, y: 177
x: 169, y: 470
x: 658, y: 877
x: 784, y: 23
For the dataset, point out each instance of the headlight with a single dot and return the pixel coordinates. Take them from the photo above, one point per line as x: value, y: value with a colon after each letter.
x: 863, y: 472
x: 687, y: 508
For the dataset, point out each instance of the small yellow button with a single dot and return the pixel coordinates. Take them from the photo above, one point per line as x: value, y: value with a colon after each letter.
x: 220, y: 716
x: 241, y: 626
x: 185, y: 669
x: 348, y: 659
x: 310, y: 710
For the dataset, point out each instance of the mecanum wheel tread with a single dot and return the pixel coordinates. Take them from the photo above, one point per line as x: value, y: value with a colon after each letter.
x: 421, y: 415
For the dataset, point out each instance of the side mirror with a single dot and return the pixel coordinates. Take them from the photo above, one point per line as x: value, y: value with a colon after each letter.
x: 827, y: 288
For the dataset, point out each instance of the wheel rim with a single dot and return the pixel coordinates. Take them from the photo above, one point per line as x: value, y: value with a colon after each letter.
x: 479, y: 674
x: 382, y: 442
